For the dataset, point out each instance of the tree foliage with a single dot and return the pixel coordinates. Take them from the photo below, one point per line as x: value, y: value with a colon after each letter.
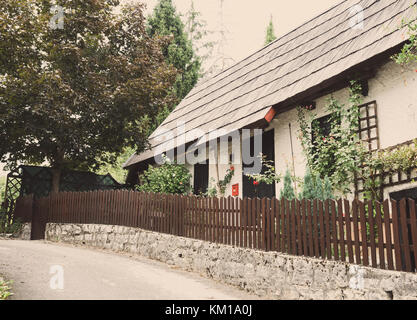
x: 77, y: 96
x: 316, y: 188
x: 288, y: 191
x: 408, y: 53
x: 197, y: 31
x: 165, y: 21
x: 270, y: 33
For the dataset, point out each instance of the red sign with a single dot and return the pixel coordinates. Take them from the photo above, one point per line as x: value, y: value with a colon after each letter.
x: 235, y: 190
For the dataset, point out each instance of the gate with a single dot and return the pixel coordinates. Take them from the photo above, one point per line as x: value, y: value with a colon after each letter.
x: 29, y: 210
x: 39, y: 221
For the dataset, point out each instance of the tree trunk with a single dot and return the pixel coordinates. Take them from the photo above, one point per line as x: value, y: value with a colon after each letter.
x: 56, y: 179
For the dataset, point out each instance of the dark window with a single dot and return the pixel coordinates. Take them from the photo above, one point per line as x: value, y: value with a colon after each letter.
x: 323, y: 125
x: 201, y: 178
x: 268, y: 150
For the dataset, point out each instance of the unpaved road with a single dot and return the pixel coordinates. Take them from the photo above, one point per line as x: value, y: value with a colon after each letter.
x: 90, y: 274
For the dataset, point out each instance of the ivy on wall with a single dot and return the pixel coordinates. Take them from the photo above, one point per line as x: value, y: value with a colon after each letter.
x: 338, y: 155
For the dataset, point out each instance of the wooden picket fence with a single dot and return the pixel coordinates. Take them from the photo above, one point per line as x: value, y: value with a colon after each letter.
x: 381, y: 235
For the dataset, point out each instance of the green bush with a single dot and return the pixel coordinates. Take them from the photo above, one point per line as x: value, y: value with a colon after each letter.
x: 4, y: 289
x: 169, y: 178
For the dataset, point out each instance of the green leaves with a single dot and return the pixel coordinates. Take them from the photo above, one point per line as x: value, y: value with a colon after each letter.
x: 270, y: 33
x: 268, y: 175
x: 337, y: 156
x: 77, y: 97
x: 178, y: 50
x: 170, y: 178
x: 408, y: 52
x: 288, y: 191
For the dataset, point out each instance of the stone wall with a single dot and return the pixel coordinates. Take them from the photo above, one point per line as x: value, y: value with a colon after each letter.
x: 26, y: 231
x: 267, y: 274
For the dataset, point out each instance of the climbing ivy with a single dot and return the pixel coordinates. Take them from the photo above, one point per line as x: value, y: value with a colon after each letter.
x: 339, y: 155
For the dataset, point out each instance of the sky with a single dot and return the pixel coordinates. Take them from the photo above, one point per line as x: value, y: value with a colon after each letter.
x: 246, y: 20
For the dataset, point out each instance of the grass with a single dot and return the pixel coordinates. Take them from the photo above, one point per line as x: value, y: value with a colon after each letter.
x: 4, y: 289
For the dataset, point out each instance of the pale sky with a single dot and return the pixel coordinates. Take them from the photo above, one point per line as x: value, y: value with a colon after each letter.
x: 246, y: 20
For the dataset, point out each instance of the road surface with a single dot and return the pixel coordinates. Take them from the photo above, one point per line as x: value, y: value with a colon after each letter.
x: 42, y: 270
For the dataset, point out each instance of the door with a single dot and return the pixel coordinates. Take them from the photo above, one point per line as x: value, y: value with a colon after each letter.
x: 201, y: 178
x: 262, y: 190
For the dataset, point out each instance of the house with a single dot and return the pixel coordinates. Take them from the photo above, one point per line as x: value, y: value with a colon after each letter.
x: 352, y: 40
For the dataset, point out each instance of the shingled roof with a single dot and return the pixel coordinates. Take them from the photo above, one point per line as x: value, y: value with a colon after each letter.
x: 316, y: 51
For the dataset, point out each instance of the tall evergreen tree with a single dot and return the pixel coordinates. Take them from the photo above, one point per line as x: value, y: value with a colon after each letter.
x: 166, y: 22
x: 270, y: 33
x: 288, y: 191
x: 309, y: 188
x: 327, y: 189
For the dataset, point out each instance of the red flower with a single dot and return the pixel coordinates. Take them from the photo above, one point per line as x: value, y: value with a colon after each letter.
x: 232, y: 168
x: 255, y: 183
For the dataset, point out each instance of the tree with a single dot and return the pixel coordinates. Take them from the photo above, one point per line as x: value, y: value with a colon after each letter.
x: 196, y: 29
x: 83, y: 93
x: 309, y: 187
x: 327, y: 189
x: 165, y: 21
x: 270, y: 33
x: 288, y: 191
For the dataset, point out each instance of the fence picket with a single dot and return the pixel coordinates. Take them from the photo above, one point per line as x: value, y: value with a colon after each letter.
x: 356, y: 232
x: 397, y: 244
x: 334, y: 230
x: 371, y: 222
x: 413, y: 222
x: 341, y: 230
x: 404, y: 230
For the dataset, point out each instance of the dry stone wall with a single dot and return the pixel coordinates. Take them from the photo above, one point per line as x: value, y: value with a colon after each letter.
x: 267, y: 274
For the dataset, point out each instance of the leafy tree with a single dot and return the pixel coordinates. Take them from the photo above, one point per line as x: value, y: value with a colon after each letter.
x: 165, y: 21
x: 270, y: 33
x: 288, y: 191
x: 170, y: 178
x: 77, y: 96
x: 116, y: 169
